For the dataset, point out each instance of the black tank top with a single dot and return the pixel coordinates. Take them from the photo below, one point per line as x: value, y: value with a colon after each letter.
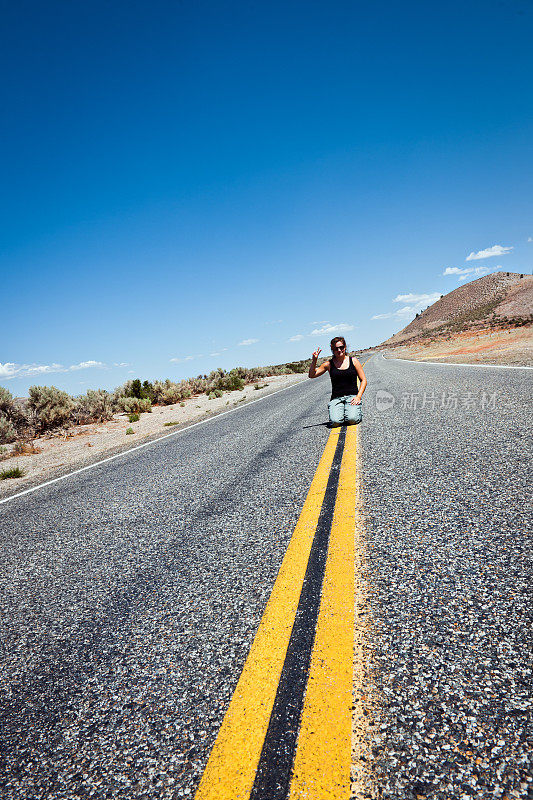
x: 343, y: 381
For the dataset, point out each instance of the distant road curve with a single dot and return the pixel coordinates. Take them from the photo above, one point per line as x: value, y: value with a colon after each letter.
x: 457, y: 364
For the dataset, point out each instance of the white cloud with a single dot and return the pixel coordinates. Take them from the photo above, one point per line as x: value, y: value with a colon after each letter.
x: 10, y: 370
x: 321, y: 322
x: 40, y: 369
x: 530, y: 238
x: 479, y: 272
x: 246, y: 342
x: 88, y: 365
x: 297, y: 338
x: 342, y: 327
x: 406, y: 312
x: 470, y: 271
x: 181, y: 360
x: 274, y: 322
x: 417, y: 298
x: 416, y: 303
x: 122, y: 364
x: 7, y: 370
x: 214, y: 354
x: 495, y: 250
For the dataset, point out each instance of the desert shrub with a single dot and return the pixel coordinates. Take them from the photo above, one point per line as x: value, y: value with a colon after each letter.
x: 8, y: 432
x: 95, y: 406
x: 297, y: 367
x: 13, y: 412
x: 168, y: 393
x: 238, y: 377
x: 228, y: 381
x: 148, y: 391
x: 142, y: 391
x: 129, y: 431
x: 197, y: 385
x: 14, y: 472
x: 124, y: 390
x: 175, y: 394
x: 159, y: 389
x: 134, y: 417
x: 50, y: 407
x: 292, y: 367
x: 252, y: 375
x: 178, y: 392
x: 133, y: 405
x: 216, y: 374
x: 7, y: 406
x: 215, y: 393
x: 234, y: 382
x: 136, y: 389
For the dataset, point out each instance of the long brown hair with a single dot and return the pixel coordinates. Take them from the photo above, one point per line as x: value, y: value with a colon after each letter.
x: 337, y: 339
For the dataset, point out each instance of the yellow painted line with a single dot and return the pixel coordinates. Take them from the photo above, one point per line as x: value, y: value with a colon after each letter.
x: 324, y: 752
x: 364, y: 696
x: 231, y: 768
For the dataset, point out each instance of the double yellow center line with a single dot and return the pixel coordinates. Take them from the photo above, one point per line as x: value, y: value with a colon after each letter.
x: 320, y: 765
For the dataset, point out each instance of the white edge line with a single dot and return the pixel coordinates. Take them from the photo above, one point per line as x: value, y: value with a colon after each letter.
x: 145, y: 444
x: 453, y: 364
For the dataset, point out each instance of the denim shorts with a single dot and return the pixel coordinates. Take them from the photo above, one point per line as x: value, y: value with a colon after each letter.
x: 342, y: 412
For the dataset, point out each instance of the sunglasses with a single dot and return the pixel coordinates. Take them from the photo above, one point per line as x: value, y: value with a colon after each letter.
x: 341, y: 347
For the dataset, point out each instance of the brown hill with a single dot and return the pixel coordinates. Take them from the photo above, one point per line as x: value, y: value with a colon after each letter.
x: 499, y: 300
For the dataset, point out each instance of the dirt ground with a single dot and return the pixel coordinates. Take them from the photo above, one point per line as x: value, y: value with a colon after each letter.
x: 512, y: 347
x: 61, y: 452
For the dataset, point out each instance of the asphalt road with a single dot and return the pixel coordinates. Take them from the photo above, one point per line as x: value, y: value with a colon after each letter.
x: 132, y: 592
x: 448, y: 511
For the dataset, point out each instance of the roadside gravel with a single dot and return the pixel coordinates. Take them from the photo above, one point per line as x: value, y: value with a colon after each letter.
x: 447, y: 502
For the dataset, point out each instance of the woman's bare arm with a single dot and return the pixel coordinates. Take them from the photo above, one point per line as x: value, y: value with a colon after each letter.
x: 315, y: 371
x: 362, y: 377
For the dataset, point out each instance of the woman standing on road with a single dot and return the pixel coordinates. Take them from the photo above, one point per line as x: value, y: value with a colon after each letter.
x: 345, y: 404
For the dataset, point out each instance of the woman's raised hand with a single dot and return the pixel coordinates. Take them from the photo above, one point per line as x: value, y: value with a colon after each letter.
x: 317, y: 353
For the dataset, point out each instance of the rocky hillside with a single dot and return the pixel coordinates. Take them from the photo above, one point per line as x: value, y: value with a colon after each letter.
x: 503, y: 299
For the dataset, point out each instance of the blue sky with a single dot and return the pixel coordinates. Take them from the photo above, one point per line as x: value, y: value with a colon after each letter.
x: 198, y: 184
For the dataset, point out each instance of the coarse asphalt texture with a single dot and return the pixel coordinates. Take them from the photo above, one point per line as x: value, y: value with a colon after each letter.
x: 132, y: 591
x: 447, y: 498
